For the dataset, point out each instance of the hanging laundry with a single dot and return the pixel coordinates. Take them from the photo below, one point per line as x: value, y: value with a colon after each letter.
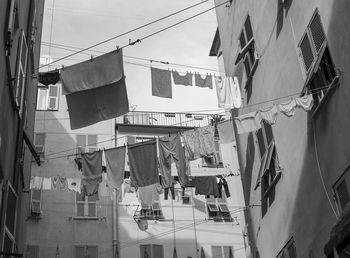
x: 228, y: 92
x: 96, y: 90
x: 90, y: 190
x: 170, y: 148
x: 36, y: 182
x: 148, y: 194
x: 78, y: 163
x: 206, y: 140
x: 306, y: 102
x: 226, y: 133
x: 74, y: 184
x: 59, y: 184
x: 206, y: 185
x: 182, y: 79
x: 191, y: 140
x: 104, y: 189
x: 171, y: 189
x: 207, y: 82
x: 269, y: 115
x: 101, y: 71
x: 223, y: 183
x: 51, y: 77
x: 247, y: 123
x: 46, y: 183
x: 143, y: 163
x: 115, y: 164
x: 128, y: 188
x: 288, y: 108
x: 92, y: 171
x: 161, y: 83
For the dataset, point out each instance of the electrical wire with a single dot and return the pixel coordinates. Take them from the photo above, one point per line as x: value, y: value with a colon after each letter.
x: 127, y: 32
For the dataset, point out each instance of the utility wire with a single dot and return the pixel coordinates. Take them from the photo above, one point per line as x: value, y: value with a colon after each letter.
x: 127, y: 32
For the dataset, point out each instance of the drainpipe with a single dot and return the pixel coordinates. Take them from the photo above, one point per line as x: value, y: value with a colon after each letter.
x: 115, y: 224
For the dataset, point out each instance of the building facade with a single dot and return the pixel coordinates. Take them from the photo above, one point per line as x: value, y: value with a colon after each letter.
x: 192, y: 224
x: 21, y: 26
x: 296, y: 170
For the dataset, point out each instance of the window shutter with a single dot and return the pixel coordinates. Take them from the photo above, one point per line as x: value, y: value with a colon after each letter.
x: 32, y: 251
x: 79, y: 252
x: 261, y: 142
x: 291, y: 251
x: 91, y: 251
x: 248, y: 29
x: 306, y: 52
x: 53, y: 97
x: 343, y: 194
x: 242, y: 40
x: 216, y: 250
x: 317, y: 33
x: 157, y: 251
x: 11, y: 210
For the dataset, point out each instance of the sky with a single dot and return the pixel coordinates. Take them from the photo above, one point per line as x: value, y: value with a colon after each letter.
x: 82, y: 23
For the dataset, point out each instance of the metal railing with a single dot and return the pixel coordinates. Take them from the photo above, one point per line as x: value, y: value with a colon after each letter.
x: 10, y: 255
x: 167, y: 119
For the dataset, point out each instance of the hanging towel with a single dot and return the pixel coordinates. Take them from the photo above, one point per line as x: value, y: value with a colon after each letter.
x: 36, y: 182
x: 143, y: 163
x: 91, y: 106
x: 62, y: 184
x: 207, y: 82
x: 103, y: 70
x: 228, y: 92
x: 269, y: 115
x: 247, y: 123
x: 206, y: 185
x: 54, y: 183
x: 104, y: 189
x: 46, y: 183
x: 74, y: 184
x: 115, y: 164
x: 191, y: 140
x: 226, y: 133
x: 206, y: 140
x: 161, y: 83
x: 92, y: 168
x: 182, y: 79
x: 170, y: 148
x: 288, y: 108
x: 90, y: 190
x: 148, y: 194
x: 51, y: 77
x: 306, y: 102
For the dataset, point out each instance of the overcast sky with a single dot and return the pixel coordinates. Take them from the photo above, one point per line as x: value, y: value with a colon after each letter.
x: 81, y: 23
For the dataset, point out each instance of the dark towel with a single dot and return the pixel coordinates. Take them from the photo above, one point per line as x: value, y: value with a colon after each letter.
x: 115, y: 163
x: 203, y: 83
x: 182, y: 79
x: 206, y: 185
x: 92, y: 168
x: 161, y: 83
x: 51, y: 77
x: 143, y: 163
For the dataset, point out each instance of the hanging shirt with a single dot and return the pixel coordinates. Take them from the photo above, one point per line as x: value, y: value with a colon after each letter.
x: 305, y: 102
x: 115, y: 164
x: 191, y: 140
x: 92, y: 168
x: 288, y: 108
x: 143, y: 163
x: 207, y: 82
x: 269, y: 115
x: 226, y: 133
x: 161, y: 83
x: 228, y: 92
x: 46, y: 183
x: 206, y: 140
x: 74, y: 184
x: 36, y: 182
x: 247, y: 123
x: 185, y: 80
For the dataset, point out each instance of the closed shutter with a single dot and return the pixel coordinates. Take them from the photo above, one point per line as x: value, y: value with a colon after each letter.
x: 343, y: 194
x: 261, y: 142
x: 157, y: 251
x: 217, y: 251
x: 227, y: 250
x: 317, y: 33
x: 79, y: 252
x: 53, y: 97
x: 91, y: 252
x: 32, y: 251
x: 291, y: 251
x: 248, y: 29
x: 306, y: 52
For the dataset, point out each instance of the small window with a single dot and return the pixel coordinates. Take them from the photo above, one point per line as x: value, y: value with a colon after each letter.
x: 35, y: 203
x: 222, y: 251
x: 288, y: 251
x: 342, y: 190
x: 218, y: 209
x: 48, y: 98
x: 84, y: 251
x: 32, y: 251
x: 39, y: 143
x: 21, y: 71
x: 86, y: 207
x: 86, y: 143
x: 148, y: 251
x: 151, y: 212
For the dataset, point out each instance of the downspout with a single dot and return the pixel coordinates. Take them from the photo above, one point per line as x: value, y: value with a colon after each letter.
x: 115, y: 224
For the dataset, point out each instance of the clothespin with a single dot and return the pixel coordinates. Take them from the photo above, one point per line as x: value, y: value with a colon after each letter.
x: 91, y: 58
x: 117, y: 47
x: 62, y: 67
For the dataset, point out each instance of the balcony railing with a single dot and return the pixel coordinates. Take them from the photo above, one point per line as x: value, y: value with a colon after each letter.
x: 167, y: 119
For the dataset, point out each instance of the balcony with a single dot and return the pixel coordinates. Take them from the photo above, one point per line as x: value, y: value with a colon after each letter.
x: 161, y: 121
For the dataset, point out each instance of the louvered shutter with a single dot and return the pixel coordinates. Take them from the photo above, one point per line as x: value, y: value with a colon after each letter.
x: 317, y: 33
x: 343, y: 194
x: 306, y: 52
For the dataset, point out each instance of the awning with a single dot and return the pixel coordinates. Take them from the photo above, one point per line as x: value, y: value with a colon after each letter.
x: 339, y: 233
x: 31, y: 147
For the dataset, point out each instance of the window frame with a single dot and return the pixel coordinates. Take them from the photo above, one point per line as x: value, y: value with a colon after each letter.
x: 148, y: 212
x: 40, y: 149
x: 88, y: 147
x: 44, y: 92
x: 21, y: 78
x: 218, y: 215
x: 151, y: 248
x: 222, y: 250
x: 85, y: 249
x: 86, y: 202
x: 33, y: 213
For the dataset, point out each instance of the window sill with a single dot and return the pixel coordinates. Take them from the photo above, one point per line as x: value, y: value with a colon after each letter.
x: 332, y: 85
x: 85, y: 218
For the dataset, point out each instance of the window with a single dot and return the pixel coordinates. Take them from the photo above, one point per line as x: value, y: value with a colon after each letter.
x: 21, y: 71
x: 289, y: 251
x: 151, y: 212
x: 342, y: 190
x: 222, y: 251
x: 216, y: 159
x: 86, y: 207
x: 35, y: 203
x: 269, y: 172
x: 9, y: 241
x: 186, y: 199
x: 86, y: 251
x: 248, y: 50
x: 86, y: 143
x: 217, y: 209
x: 32, y: 251
x: 47, y: 97
x: 317, y: 61
x: 39, y: 143
x: 151, y: 251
